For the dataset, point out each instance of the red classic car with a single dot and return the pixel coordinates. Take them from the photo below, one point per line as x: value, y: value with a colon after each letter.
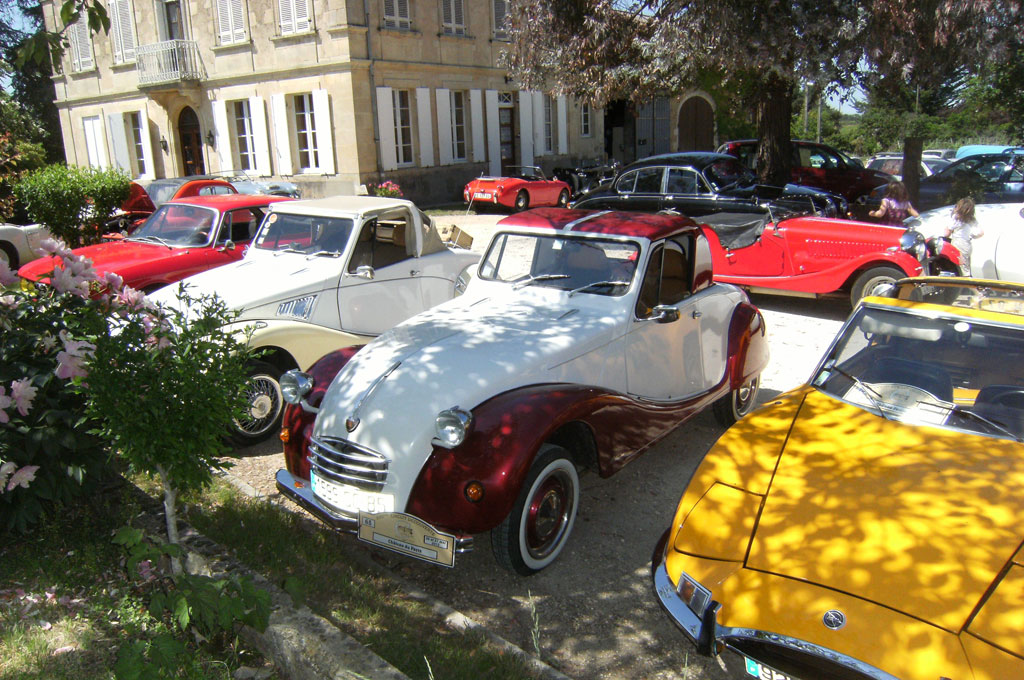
x: 181, y: 238
x: 142, y: 201
x: 814, y: 256
x: 524, y: 187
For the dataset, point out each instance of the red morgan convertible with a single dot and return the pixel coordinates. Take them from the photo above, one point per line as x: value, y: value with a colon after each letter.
x: 818, y: 256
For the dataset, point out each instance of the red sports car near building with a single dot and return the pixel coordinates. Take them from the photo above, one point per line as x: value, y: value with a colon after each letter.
x: 181, y: 238
x: 524, y: 187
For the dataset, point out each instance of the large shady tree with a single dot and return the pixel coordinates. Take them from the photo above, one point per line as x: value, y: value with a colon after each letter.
x: 600, y: 50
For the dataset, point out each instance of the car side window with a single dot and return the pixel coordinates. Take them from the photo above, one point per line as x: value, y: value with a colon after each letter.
x: 626, y: 183
x: 240, y: 225
x: 681, y: 181
x: 648, y: 298
x: 381, y: 243
x: 675, y: 274
x: 648, y: 180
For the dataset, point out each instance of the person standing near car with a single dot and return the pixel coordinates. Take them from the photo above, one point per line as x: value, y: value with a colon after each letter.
x: 896, y: 205
x: 964, y: 229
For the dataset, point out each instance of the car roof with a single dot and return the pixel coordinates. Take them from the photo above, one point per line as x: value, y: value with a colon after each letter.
x: 694, y: 158
x: 634, y: 224
x: 344, y: 205
x: 229, y: 201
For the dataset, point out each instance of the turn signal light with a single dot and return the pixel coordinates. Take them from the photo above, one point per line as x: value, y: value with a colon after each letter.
x: 474, y: 492
x: 285, y: 435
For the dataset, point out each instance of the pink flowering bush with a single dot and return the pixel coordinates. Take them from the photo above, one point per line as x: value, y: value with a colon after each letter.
x: 387, y: 189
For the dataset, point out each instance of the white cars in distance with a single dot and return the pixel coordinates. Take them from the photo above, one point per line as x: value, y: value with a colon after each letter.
x: 19, y: 243
x: 997, y: 254
x: 324, y: 274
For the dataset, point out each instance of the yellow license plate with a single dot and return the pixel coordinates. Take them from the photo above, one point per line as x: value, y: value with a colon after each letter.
x: 407, y: 535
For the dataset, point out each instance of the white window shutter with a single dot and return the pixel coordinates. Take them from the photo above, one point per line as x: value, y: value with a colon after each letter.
x: 114, y: 13
x: 426, y: 128
x: 500, y: 12
x: 81, y: 45
x: 525, y: 128
x: 223, y: 132
x: 539, y: 148
x: 237, y: 20
x: 302, y: 22
x: 562, y: 110
x: 146, y: 162
x: 458, y: 16
x: 445, y: 139
x: 476, y: 124
x: 126, y: 29
x: 225, y: 27
x: 118, y: 139
x: 95, y: 147
x: 282, y: 134
x: 493, y: 133
x: 324, y: 132
x: 386, y: 127
x: 446, y: 13
x: 261, y: 145
x: 287, y: 8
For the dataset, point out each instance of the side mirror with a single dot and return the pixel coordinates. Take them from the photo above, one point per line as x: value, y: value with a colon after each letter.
x: 227, y: 245
x: 664, y: 314
x: 364, y: 271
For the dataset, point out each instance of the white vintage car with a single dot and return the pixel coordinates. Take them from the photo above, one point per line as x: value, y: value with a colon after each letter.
x: 997, y: 254
x: 324, y: 274
x: 19, y: 243
x: 584, y: 338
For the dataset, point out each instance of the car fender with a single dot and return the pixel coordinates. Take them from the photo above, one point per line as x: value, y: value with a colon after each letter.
x: 297, y: 423
x: 306, y: 343
x: 831, y: 279
x: 748, y: 345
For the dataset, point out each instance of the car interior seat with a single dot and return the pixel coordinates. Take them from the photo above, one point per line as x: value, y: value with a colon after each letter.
x: 586, y: 264
x: 929, y: 377
x: 1002, y: 404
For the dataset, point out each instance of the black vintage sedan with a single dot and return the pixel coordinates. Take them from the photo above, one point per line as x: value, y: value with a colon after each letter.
x: 704, y: 183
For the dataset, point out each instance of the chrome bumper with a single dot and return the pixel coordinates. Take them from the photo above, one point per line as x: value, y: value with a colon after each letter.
x: 300, y: 492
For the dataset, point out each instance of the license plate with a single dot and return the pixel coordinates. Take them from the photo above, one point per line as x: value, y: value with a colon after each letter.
x: 407, y: 535
x: 762, y: 672
x: 481, y: 194
x: 349, y: 498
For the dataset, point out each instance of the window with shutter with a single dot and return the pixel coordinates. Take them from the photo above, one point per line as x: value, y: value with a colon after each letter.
x: 549, y: 135
x: 294, y: 16
x: 453, y: 19
x: 138, y: 148
x: 500, y: 19
x: 244, y: 136
x: 458, y: 109
x: 403, y: 127
x: 122, y: 31
x: 305, y: 132
x: 81, y: 45
x: 231, y: 21
x: 585, y: 119
x: 396, y: 15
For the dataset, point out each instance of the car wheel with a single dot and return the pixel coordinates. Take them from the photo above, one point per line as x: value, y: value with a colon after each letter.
x: 263, y: 405
x: 563, y: 198
x: 537, y: 528
x: 522, y: 200
x: 738, y: 403
x: 867, y: 281
x: 9, y: 256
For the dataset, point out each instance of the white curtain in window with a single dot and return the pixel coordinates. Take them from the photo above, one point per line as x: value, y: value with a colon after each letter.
x: 426, y: 127
x: 231, y: 21
x: 282, y: 134
x: 122, y: 31
x: 324, y: 137
x: 81, y: 45
x: 294, y: 16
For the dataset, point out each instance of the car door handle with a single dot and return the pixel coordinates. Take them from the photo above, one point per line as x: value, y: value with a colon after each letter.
x: 696, y: 314
x: 414, y: 272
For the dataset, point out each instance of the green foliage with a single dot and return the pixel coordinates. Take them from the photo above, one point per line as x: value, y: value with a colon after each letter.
x: 185, y: 374
x: 46, y: 48
x: 73, y: 202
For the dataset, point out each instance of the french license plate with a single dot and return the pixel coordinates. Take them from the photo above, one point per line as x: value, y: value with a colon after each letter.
x: 481, y: 194
x: 349, y: 498
x: 762, y: 672
x: 407, y: 535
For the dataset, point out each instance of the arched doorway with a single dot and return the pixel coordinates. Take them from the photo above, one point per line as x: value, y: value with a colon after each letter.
x: 696, y: 125
x: 191, y: 142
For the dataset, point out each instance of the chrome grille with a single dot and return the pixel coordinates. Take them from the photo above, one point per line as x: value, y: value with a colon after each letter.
x: 343, y: 462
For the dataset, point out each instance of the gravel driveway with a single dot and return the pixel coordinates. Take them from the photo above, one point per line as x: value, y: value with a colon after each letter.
x: 597, y: 615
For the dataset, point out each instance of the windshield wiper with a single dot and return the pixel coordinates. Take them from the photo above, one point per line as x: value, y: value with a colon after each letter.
x: 324, y: 253
x: 871, y: 393
x: 596, y: 284
x: 151, y: 238
x: 289, y: 249
x: 538, y: 277
x: 960, y: 410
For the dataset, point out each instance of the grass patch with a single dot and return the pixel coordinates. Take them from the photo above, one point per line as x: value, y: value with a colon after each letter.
x: 312, y: 562
x: 67, y: 605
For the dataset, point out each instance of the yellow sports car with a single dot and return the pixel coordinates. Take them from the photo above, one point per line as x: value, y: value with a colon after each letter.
x: 870, y: 524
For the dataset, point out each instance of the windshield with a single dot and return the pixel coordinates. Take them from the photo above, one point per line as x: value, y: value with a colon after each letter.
x: 162, y: 191
x: 178, y: 225
x: 729, y: 172
x: 589, y: 265
x: 304, y: 233
x: 960, y: 373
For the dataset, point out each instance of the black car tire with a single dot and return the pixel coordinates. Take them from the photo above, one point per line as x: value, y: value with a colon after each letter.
x: 9, y: 255
x: 539, y: 525
x: 737, y: 403
x: 867, y: 281
x: 563, y: 198
x: 264, y: 405
x: 522, y: 200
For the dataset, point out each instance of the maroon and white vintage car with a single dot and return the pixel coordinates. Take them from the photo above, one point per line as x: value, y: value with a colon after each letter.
x: 815, y: 256
x: 583, y: 338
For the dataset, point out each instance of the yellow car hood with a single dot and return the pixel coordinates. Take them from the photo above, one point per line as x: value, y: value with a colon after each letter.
x: 913, y: 517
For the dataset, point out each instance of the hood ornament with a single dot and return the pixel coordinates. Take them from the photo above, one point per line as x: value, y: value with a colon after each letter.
x: 834, y: 619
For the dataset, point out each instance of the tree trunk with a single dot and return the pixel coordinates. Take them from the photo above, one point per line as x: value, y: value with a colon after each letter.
x: 774, y: 110
x: 170, y: 515
x: 912, y: 147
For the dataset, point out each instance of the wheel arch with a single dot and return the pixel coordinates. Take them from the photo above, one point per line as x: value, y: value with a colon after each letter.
x: 905, y: 263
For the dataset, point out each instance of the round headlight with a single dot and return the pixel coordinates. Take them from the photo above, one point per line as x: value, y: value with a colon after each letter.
x: 451, y: 426
x: 295, y: 385
x: 911, y: 242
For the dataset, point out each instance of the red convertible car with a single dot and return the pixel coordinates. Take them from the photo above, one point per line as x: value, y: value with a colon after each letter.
x: 816, y: 256
x: 181, y: 238
x: 524, y: 187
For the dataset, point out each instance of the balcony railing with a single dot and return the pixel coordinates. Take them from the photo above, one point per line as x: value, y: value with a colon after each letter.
x: 171, y: 61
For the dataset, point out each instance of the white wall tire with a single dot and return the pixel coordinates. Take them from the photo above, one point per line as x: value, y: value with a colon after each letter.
x: 738, y: 403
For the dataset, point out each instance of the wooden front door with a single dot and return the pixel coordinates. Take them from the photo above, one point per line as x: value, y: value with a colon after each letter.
x: 696, y: 125
x: 191, y: 139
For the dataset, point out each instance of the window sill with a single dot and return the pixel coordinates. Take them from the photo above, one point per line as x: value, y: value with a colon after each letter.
x: 85, y: 73
x: 294, y: 37
x: 410, y: 32
x: 123, y: 66
x: 342, y: 29
x: 456, y: 36
x: 239, y: 46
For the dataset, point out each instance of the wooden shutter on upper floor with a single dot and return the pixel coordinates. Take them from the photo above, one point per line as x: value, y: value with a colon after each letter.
x: 122, y: 31
x: 81, y: 45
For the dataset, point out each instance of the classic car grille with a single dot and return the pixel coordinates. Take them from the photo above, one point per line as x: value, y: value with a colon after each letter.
x: 341, y: 461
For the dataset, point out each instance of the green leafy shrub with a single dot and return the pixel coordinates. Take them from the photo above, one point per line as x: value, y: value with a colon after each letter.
x: 73, y: 202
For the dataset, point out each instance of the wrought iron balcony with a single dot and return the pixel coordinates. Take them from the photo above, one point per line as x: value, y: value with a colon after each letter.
x: 170, y: 61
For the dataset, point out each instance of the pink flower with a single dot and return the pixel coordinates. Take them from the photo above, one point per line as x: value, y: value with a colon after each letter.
x: 7, y: 277
x: 113, y: 281
x: 53, y: 247
x: 23, y: 393
x: 47, y: 343
x: 9, y: 300
x: 22, y: 477
x: 5, y: 403
x: 70, y: 362
x: 5, y: 471
x: 131, y: 299
x: 66, y: 281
